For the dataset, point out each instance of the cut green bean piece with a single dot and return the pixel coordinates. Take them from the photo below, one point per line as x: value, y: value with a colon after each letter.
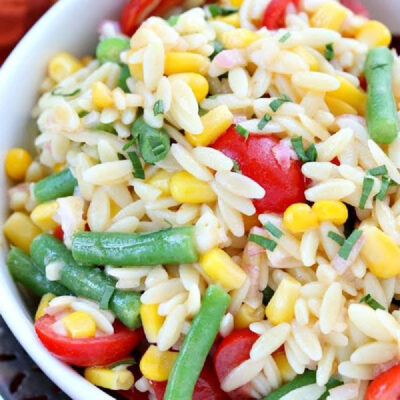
x: 197, y: 344
x: 168, y: 246
x: 86, y: 281
x: 54, y: 186
x: 382, y: 120
x: 123, y: 76
x: 110, y: 49
x: 24, y: 271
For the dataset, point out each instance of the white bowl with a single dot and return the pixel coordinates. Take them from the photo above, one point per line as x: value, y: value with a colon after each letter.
x: 70, y: 25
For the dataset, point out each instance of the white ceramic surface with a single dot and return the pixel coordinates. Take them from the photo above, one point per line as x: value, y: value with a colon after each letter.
x: 70, y: 25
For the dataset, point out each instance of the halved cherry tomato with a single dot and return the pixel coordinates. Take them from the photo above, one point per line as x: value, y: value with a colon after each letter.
x: 88, y: 352
x: 232, y: 351
x: 275, y: 13
x: 136, y: 11
x: 133, y: 393
x: 357, y: 7
x: 385, y: 386
x: 59, y: 233
x: 282, y: 181
x: 207, y: 386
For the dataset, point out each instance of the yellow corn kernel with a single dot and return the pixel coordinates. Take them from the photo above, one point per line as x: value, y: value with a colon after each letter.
x: 80, y: 324
x: 151, y: 321
x: 299, y: 217
x: 59, y: 167
x: 374, y: 33
x: 156, y: 365
x: 20, y: 230
x: 101, y: 95
x: 42, y: 215
x: 232, y: 19
x: 238, y: 38
x: 63, y: 65
x: 215, y: 123
x: 220, y: 267
x: 380, y: 253
x: 16, y: 163
x: 247, y: 315
x: 136, y: 71
x: 160, y: 181
x: 339, y: 107
x: 330, y: 15
x: 110, y: 379
x: 86, y: 60
x: 44, y: 303
x: 308, y: 57
x: 286, y: 371
x: 114, y: 208
x: 331, y: 210
x: 197, y: 83
x: 180, y: 62
x: 281, y: 306
x: 236, y: 3
x: 185, y: 188
x: 350, y: 94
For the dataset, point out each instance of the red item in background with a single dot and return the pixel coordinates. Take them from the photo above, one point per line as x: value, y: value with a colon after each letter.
x: 274, y: 16
x: 16, y: 17
x: 356, y: 6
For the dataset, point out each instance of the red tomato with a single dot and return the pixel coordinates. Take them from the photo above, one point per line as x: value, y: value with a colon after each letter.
x: 88, y: 352
x: 207, y: 386
x: 356, y: 6
x: 59, y: 233
x: 284, y: 185
x: 275, y: 13
x: 385, y: 386
x: 232, y: 351
x: 133, y: 394
x: 136, y: 11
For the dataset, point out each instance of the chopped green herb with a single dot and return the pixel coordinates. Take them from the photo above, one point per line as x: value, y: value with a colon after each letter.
x: 56, y: 92
x: 275, y: 104
x: 202, y: 111
x: 384, y: 187
x: 285, y: 37
x: 311, y: 153
x: 336, y: 237
x: 329, y: 52
x: 348, y: 244
x: 173, y: 20
x: 263, y: 242
x: 242, y: 131
x: 298, y: 147
x: 267, y: 295
x: 105, y: 127
x: 367, y: 186
x: 128, y: 144
x: 138, y: 171
x: 368, y: 299
x: 332, y: 383
x: 216, y: 10
x: 264, y: 121
x: 106, y: 297
x: 381, y: 170
x: 273, y: 230
x: 158, y: 107
x: 122, y: 362
x: 83, y: 113
x: 236, y: 167
x: 218, y: 47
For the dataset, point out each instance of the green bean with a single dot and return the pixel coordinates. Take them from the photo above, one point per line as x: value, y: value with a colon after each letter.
x: 110, y: 49
x: 86, y: 281
x: 154, y: 143
x: 382, y: 120
x: 54, y: 186
x: 123, y: 76
x: 197, y: 344
x: 168, y: 246
x: 24, y: 271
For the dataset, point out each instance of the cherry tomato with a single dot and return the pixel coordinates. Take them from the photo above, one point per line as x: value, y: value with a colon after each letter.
x: 88, y: 352
x: 136, y: 11
x: 357, y: 7
x: 133, y: 394
x: 59, y: 233
x: 274, y: 16
x: 283, y: 182
x: 207, y: 386
x: 232, y: 351
x: 385, y: 386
